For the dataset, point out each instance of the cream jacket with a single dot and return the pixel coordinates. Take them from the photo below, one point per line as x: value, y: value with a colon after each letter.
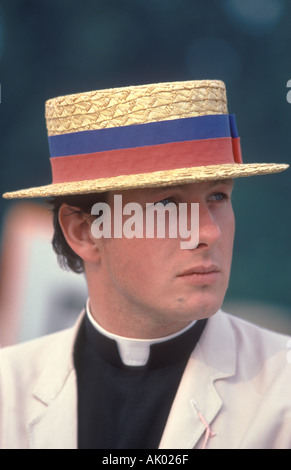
x: 235, y: 392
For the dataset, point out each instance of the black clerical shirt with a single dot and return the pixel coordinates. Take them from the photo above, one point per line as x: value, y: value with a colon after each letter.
x: 126, y: 407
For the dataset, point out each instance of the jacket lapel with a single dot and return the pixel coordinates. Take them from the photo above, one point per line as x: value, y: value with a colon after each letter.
x: 53, y: 421
x: 197, y: 402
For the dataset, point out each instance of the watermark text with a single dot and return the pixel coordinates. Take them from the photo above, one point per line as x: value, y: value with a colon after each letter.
x: 154, y: 220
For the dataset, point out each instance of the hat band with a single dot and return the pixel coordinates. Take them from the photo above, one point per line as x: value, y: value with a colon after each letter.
x: 144, y: 148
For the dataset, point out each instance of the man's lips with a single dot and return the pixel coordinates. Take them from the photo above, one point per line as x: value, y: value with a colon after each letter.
x: 201, y: 274
x: 200, y: 270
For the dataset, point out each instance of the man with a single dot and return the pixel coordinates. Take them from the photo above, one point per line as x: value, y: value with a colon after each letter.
x: 153, y: 361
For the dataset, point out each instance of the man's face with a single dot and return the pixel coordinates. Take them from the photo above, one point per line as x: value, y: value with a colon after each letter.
x: 155, y: 280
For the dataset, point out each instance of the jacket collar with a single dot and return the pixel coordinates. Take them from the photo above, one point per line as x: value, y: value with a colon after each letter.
x: 53, y: 423
x: 197, y: 401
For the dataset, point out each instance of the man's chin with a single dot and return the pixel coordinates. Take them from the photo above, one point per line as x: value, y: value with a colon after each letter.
x: 200, y: 308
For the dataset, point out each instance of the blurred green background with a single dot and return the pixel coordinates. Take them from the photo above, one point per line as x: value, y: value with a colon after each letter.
x: 50, y: 48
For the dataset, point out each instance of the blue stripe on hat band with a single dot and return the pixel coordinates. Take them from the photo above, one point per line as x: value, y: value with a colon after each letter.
x: 141, y: 135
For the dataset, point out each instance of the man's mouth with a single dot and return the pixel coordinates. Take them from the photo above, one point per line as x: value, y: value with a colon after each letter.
x: 202, y: 274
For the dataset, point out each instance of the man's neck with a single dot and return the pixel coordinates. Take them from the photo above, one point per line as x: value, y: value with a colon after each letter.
x: 128, y: 325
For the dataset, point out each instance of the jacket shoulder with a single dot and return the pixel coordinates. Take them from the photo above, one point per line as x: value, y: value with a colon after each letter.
x: 33, y: 350
x: 37, y: 350
x: 25, y: 362
x: 261, y: 355
x: 251, y: 336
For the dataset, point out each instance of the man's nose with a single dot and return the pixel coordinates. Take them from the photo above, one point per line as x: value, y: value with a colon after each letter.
x: 209, y: 230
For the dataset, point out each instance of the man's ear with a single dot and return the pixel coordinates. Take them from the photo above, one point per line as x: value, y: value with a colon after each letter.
x: 76, y: 227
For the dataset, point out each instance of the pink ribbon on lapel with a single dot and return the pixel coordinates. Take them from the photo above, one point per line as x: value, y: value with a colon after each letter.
x: 208, y: 431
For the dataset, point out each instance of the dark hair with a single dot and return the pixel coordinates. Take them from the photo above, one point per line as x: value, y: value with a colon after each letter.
x: 67, y: 258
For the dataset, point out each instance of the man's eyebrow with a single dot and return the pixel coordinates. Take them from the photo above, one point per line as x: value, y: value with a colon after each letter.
x: 213, y: 183
x: 160, y: 189
x: 227, y: 181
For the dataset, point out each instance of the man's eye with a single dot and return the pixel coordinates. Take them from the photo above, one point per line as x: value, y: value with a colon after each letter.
x: 165, y: 201
x: 218, y: 197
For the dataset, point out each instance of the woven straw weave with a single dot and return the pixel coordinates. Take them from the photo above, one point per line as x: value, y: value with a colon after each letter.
x: 134, y: 105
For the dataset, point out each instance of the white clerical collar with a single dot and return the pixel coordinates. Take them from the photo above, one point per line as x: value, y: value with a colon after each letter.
x: 133, y: 352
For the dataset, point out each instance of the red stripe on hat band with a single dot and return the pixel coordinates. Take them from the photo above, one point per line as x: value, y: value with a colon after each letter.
x: 146, y: 159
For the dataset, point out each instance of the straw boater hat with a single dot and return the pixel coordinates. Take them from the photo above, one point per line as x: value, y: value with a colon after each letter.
x: 142, y: 136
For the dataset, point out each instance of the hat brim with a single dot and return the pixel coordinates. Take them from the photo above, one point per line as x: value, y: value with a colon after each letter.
x: 148, y: 180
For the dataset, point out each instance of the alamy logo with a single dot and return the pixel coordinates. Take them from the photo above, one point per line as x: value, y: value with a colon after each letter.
x: 288, y: 96
x: 155, y: 220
